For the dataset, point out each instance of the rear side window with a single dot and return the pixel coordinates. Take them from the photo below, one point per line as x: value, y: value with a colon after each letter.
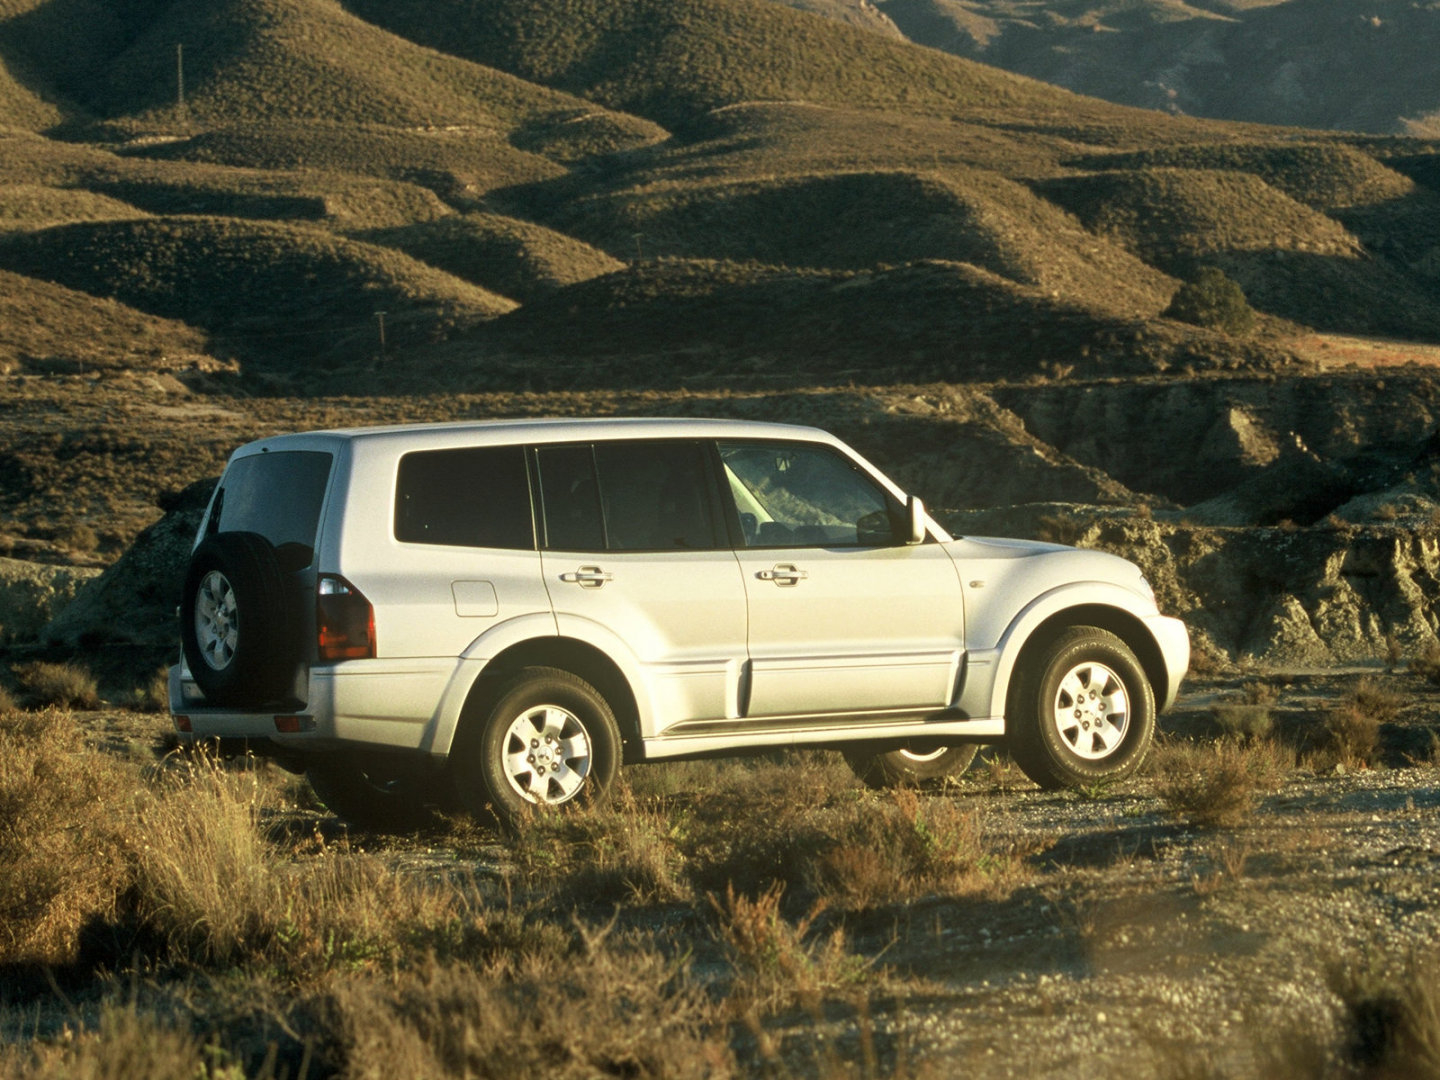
x: 278, y: 495
x: 476, y: 496
x: 627, y: 496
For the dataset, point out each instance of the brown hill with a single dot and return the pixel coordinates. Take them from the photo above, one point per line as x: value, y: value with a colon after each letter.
x: 47, y: 328
x: 248, y: 60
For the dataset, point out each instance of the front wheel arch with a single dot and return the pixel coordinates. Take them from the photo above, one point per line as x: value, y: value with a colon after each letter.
x: 1128, y: 628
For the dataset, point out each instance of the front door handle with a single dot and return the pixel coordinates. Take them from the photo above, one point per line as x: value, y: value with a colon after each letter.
x: 588, y: 577
x: 783, y: 574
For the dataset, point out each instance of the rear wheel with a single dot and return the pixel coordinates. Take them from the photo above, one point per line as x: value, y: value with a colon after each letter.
x: 920, y: 763
x: 236, y: 626
x: 548, y: 740
x: 1080, y: 710
x: 370, y: 795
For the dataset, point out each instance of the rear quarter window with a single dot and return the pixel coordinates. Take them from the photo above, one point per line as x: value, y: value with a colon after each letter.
x: 278, y: 495
x: 475, y: 496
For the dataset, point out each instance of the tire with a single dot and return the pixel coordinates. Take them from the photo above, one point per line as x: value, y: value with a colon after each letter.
x: 571, y: 759
x: 236, y: 623
x: 921, y: 763
x: 1080, y: 710
x: 370, y: 796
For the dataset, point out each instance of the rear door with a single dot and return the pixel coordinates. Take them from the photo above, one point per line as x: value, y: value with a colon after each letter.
x: 843, y: 616
x: 633, y: 545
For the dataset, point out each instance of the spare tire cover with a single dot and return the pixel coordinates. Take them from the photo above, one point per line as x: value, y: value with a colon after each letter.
x: 236, y: 623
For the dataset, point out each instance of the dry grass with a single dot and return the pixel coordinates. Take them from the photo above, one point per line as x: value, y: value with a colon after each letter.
x: 62, y: 686
x: 607, y: 1010
x: 1217, y: 785
x: 779, y: 962
x: 124, y: 1045
x: 65, y: 815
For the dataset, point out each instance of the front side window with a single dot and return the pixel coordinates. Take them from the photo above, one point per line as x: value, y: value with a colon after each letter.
x: 791, y: 495
x: 627, y: 496
x: 474, y: 496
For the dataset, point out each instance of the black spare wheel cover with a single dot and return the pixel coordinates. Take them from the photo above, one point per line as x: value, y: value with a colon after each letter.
x: 236, y: 625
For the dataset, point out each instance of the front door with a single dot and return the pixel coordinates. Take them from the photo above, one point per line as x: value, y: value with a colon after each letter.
x: 844, y: 616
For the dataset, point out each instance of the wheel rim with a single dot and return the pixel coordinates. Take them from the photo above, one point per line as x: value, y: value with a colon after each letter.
x: 547, y: 755
x: 217, y: 624
x: 1091, y: 711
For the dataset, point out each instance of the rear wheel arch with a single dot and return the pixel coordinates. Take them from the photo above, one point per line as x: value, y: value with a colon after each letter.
x: 567, y: 654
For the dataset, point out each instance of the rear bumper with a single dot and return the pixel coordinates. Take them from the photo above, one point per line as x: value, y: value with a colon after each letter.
x: 373, y: 703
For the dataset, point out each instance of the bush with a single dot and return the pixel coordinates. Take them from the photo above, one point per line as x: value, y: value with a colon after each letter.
x: 1217, y: 785
x: 63, y: 686
x: 1244, y: 722
x: 1214, y: 301
x: 1427, y: 664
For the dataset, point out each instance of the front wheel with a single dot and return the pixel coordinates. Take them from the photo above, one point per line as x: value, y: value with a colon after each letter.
x: 549, y: 739
x: 919, y: 763
x: 1080, y: 710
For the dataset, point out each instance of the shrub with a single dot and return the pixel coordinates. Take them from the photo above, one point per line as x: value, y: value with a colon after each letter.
x: 1427, y: 664
x: 1244, y: 722
x: 1217, y: 785
x: 63, y: 844
x: 1211, y: 299
x: 1256, y: 692
x: 64, y: 686
x: 1351, y: 736
x: 775, y: 963
x: 154, y: 695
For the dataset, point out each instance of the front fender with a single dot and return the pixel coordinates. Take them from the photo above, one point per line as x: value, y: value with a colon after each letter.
x: 1089, y: 594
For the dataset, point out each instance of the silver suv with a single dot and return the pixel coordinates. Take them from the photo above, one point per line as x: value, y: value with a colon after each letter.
x: 507, y: 611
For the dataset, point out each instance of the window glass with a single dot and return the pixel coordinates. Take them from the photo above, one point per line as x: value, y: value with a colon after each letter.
x: 476, y: 496
x: 656, y: 496
x: 804, y: 496
x: 278, y: 495
x: 571, y: 499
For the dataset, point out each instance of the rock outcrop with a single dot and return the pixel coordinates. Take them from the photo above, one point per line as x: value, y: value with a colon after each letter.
x: 31, y: 594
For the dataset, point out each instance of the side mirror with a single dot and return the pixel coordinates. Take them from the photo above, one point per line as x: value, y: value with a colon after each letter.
x: 915, y: 517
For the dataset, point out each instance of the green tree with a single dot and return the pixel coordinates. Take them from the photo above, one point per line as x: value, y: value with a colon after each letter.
x: 1212, y: 299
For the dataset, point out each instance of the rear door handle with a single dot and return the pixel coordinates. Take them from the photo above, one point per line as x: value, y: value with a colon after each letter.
x: 588, y: 577
x: 783, y: 574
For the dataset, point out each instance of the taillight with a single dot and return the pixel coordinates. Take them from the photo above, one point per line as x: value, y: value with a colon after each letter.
x: 344, y: 620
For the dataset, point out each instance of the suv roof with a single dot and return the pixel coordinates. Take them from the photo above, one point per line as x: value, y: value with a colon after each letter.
x: 479, y: 432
